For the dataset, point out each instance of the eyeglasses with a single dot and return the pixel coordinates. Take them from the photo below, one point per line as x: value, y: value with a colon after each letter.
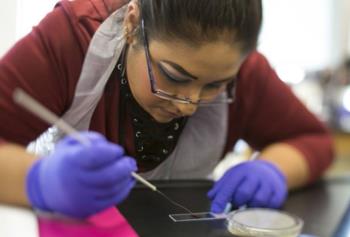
x: 218, y: 98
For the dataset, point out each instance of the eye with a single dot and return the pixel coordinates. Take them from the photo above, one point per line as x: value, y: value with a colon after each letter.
x: 170, y: 77
x: 220, y: 84
x: 215, y: 85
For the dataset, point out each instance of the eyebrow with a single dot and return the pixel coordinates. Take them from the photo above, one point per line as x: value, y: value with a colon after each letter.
x: 184, y: 72
x: 180, y: 69
x: 231, y: 78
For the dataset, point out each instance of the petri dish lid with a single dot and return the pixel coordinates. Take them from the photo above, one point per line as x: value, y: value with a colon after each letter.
x: 259, y: 222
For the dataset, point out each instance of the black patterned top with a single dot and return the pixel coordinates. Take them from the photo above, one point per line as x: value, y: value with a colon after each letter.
x: 153, y: 141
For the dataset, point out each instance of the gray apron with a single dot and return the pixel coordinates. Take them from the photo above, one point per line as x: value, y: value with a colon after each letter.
x: 202, y: 140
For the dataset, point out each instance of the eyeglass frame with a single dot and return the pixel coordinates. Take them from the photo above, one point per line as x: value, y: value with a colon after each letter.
x: 167, y: 96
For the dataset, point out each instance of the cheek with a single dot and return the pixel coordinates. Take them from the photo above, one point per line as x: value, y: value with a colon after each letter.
x: 142, y: 91
x: 142, y: 83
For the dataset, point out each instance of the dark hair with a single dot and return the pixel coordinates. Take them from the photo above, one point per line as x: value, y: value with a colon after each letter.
x: 198, y: 21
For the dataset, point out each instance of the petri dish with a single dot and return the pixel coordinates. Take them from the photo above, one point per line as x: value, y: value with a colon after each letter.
x: 262, y: 222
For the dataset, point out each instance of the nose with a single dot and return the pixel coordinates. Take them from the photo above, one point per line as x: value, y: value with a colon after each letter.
x: 189, y: 109
x: 186, y: 109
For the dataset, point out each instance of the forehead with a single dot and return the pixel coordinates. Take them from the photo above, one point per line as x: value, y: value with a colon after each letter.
x: 219, y: 58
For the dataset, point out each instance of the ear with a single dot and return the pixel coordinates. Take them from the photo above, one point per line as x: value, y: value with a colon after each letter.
x: 131, y: 21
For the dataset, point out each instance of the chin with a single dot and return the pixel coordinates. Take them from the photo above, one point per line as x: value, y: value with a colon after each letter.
x: 161, y: 119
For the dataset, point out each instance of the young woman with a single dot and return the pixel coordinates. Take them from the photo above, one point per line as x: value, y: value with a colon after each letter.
x: 173, y: 84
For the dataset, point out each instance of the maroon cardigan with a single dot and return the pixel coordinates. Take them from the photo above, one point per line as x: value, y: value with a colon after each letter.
x: 48, y: 61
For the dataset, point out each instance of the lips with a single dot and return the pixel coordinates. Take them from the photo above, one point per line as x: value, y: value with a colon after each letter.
x: 171, y: 114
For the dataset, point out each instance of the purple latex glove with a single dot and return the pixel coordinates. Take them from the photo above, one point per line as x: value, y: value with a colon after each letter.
x: 81, y: 180
x: 255, y: 183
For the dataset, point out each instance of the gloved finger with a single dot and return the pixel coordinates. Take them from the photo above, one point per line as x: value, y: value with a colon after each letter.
x: 118, y: 198
x: 217, y: 186
x: 110, y: 175
x: 278, y: 197
x: 262, y: 196
x: 245, y: 191
x: 66, y: 141
x: 228, y: 177
x: 277, y: 171
x: 101, y: 154
x: 104, y: 193
x: 97, y: 192
x: 225, y: 193
x: 92, y: 137
x: 280, y: 191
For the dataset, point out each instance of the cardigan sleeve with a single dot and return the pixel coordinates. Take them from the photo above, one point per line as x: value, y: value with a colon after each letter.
x: 266, y: 112
x: 46, y: 64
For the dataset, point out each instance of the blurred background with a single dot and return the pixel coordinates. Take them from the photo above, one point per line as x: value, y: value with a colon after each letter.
x: 306, y: 41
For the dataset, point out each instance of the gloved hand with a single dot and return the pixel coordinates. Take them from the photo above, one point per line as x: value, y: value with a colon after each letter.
x: 255, y: 183
x: 81, y: 180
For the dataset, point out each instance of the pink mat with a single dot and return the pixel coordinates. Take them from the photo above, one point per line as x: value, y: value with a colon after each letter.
x: 109, y: 223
